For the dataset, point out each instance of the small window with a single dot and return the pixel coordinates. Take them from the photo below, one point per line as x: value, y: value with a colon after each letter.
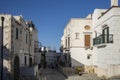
x: 26, y: 39
x: 30, y: 39
x: 88, y: 56
x: 25, y: 60
x: 87, y: 27
x: 20, y: 30
x: 105, y: 33
x: 76, y: 35
x: 68, y: 42
x: 16, y: 33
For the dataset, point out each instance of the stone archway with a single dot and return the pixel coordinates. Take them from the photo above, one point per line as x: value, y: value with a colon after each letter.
x: 16, y: 68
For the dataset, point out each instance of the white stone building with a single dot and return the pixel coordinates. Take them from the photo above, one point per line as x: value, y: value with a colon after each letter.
x: 20, y: 39
x: 77, y: 39
x: 106, y: 24
x: 102, y: 55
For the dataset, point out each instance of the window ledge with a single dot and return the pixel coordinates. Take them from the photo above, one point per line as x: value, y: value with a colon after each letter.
x: 102, y: 45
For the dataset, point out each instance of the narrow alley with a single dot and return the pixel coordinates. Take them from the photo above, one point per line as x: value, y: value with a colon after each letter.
x: 51, y: 74
x: 60, y: 40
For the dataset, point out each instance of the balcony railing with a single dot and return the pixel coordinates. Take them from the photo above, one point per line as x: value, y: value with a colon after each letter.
x: 103, y: 39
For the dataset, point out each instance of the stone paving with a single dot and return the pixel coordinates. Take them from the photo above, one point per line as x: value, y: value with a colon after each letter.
x: 83, y: 77
x: 54, y: 74
x: 51, y: 74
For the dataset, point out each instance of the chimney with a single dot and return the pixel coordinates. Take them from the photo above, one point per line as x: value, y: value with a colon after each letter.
x: 114, y: 3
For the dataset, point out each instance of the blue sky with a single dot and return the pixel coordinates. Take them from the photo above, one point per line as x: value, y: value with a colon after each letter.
x: 51, y: 16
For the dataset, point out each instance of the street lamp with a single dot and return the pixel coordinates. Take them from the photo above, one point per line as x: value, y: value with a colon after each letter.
x: 2, y: 19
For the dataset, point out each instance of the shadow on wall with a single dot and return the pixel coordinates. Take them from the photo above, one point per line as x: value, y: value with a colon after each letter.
x: 6, y: 53
x: 76, y: 63
x: 6, y: 74
x: 6, y: 59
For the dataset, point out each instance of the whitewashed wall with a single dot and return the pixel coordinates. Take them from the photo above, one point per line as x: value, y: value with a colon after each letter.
x: 109, y: 54
x: 77, y: 49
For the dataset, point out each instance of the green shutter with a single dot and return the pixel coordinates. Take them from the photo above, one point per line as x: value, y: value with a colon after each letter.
x: 107, y: 34
x: 103, y: 36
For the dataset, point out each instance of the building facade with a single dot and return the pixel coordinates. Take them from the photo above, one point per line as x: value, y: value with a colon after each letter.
x: 77, y: 40
x: 19, y: 41
x: 106, y: 40
x: 94, y: 41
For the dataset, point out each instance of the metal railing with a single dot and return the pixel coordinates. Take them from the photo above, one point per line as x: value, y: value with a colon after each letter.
x: 101, y: 39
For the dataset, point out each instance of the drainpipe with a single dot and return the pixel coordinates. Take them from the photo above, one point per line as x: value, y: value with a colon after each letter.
x: 2, y: 36
x: 29, y: 48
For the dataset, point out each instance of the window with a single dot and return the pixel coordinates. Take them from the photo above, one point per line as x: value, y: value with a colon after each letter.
x: 76, y: 35
x: 68, y: 42
x: 26, y: 38
x: 35, y: 47
x: 105, y: 37
x: 16, y: 33
x: 105, y: 33
x: 87, y: 40
x: 88, y: 56
x: 25, y: 60
x: 20, y: 30
x: 30, y: 39
x: 87, y: 27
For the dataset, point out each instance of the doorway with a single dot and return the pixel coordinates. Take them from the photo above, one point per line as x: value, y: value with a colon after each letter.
x: 16, y: 68
x: 87, y: 40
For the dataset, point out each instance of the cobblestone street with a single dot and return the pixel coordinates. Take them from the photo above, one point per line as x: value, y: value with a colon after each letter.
x: 53, y: 74
x: 84, y: 77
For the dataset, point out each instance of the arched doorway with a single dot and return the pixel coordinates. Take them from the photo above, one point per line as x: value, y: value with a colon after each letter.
x: 16, y: 68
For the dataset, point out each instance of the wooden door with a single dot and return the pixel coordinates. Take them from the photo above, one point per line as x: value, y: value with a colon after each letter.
x: 87, y: 40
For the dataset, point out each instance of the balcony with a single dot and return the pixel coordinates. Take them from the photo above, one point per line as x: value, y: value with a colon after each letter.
x: 102, y: 39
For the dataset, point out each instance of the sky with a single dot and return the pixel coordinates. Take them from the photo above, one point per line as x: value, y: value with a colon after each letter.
x: 51, y: 16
